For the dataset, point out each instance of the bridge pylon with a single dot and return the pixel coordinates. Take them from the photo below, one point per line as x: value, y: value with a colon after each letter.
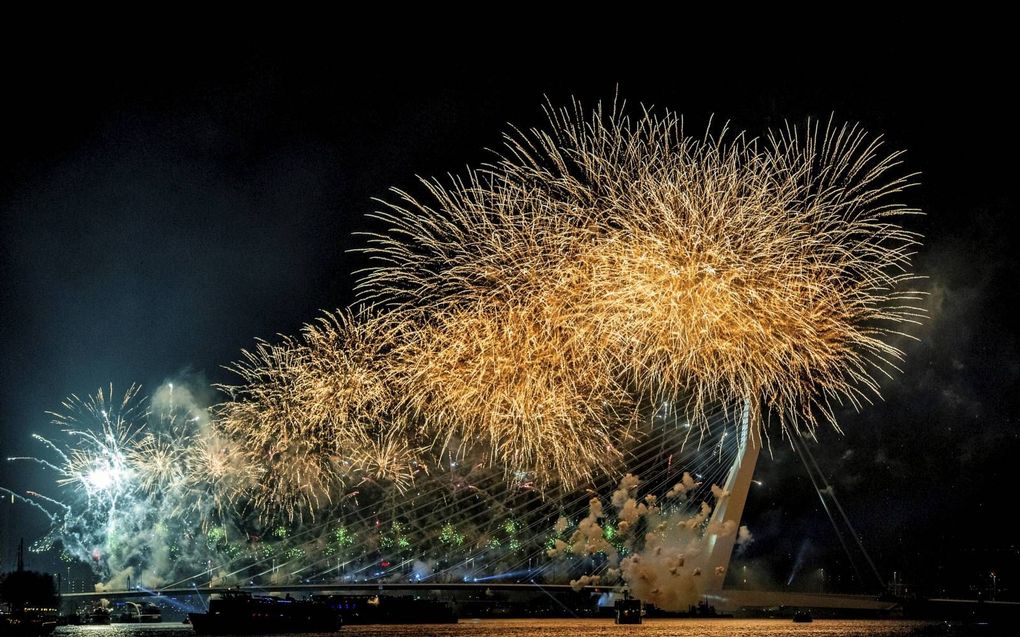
x: 719, y: 548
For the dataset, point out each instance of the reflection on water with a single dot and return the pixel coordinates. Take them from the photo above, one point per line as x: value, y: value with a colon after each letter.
x: 565, y: 628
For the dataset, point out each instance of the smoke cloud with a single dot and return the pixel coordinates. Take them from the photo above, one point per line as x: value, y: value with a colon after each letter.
x: 666, y: 548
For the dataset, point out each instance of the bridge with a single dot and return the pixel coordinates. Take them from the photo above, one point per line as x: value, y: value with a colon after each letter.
x: 720, y: 549
x: 727, y: 601
x: 327, y: 588
x: 736, y: 481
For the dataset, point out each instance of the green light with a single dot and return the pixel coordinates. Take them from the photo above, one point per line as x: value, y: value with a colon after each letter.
x: 215, y: 536
x: 342, y: 537
x: 450, y: 536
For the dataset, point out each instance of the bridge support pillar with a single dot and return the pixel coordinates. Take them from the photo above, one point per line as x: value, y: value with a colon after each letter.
x: 719, y: 549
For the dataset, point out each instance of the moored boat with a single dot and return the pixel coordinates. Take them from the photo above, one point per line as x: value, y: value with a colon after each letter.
x: 239, y: 613
x: 97, y: 615
x: 135, y: 613
x: 628, y: 611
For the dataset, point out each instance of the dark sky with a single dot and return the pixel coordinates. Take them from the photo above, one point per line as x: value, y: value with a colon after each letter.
x: 160, y: 212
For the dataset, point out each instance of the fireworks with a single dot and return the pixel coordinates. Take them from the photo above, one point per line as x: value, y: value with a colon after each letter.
x: 533, y: 311
x: 609, y: 255
x: 526, y: 324
x: 513, y: 383
x: 98, y: 464
x: 316, y: 414
x: 126, y: 462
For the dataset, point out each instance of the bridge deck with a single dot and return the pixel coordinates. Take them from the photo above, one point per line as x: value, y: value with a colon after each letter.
x: 729, y: 600
x: 328, y: 588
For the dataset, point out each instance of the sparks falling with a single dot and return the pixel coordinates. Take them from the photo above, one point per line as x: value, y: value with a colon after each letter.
x: 623, y: 262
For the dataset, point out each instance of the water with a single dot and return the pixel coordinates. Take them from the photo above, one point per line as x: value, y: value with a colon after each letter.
x: 566, y: 628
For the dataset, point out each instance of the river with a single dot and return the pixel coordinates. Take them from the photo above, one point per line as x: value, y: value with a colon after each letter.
x: 567, y: 628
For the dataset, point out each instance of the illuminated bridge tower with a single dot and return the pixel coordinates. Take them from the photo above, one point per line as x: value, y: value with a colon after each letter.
x: 719, y: 549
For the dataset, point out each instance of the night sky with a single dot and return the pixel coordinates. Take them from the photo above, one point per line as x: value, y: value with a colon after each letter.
x: 161, y: 212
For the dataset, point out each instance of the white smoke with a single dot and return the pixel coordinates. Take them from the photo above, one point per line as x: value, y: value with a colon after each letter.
x: 421, y: 570
x: 687, y: 483
x: 721, y: 528
x: 744, y: 539
x: 181, y: 397
x: 584, y: 580
x: 664, y: 564
x: 561, y: 525
x: 132, y: 538
x: 628, y: 486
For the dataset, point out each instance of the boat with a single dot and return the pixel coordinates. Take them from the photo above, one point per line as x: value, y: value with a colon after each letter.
x: 240, y: 613
x: 628, y: 611
x: 98, y: 615
x: 703, y: 610
x: 135, y: 613
x: 802, y: 617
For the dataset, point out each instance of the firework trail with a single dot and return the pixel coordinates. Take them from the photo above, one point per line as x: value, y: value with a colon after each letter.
x: 29, y: 501
x: 45, y: 463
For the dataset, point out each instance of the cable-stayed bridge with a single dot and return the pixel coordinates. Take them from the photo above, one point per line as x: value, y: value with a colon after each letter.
x: 729, y: 463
